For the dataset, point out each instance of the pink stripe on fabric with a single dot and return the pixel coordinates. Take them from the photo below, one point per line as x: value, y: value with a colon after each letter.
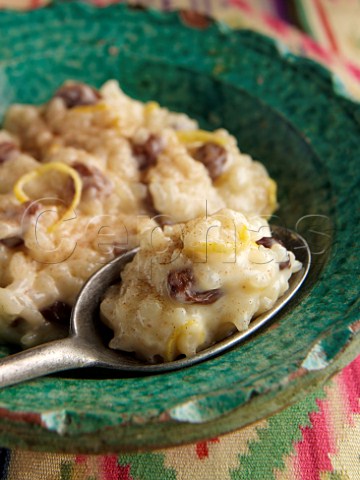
x: 326, y: 25
x: 312, y: 47
x: 349, y: 383
x: 242, y: 5
x: 276, y: 24
x: 354, y: 70
x: 316, y: 444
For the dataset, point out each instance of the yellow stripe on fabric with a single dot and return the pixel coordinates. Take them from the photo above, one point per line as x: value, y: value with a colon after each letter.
x: 28, y: 465
x: 222, y: 457
x: 345, y: 435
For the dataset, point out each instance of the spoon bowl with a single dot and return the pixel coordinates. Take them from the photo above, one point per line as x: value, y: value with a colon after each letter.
x: 85, y: 346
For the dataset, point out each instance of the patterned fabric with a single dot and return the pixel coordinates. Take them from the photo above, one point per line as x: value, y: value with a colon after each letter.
x: 334, y: 27
x: 333, y: 23
x: 315, y: 439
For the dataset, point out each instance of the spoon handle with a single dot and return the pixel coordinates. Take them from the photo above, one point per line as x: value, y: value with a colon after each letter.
x: 50, y: 357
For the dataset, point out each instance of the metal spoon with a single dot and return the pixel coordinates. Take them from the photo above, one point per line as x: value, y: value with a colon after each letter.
x: 85, y: 346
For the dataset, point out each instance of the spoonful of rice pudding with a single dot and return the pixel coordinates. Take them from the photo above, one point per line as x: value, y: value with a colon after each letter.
x: 187, y: 293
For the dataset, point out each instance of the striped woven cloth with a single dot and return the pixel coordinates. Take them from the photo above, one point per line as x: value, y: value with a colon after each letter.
x: 315, y: 439
x: 334, y: 24
x: 319, y: 437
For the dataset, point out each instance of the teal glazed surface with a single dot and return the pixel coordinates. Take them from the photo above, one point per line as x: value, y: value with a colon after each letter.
x: 284, y: 111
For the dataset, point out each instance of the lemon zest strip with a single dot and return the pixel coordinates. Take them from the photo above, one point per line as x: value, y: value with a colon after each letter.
x: 171, y: 344
x: 211, y: 247
x: 202, y: 136
x: 151, y: 107
x: 22, y: 197
x: 245, y: 238
x: 98, y: 107
x: 243, y: 233
x: 272, y: 194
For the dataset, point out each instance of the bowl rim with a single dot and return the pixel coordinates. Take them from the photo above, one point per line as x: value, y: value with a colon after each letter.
x: 210, y: 414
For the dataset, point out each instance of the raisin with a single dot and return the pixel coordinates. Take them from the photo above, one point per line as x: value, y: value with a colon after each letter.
x: 77, y: 94
x: 19, y: 216
x: 146, y: 153
x: 181, y: 288
x: 213, y: 157
x: 119, y: 249
x: 92, y: 178
x: 58, y: 313
x: 6, y: 149
x: 160, y: 218
x: 31, y: 208
x: 148, y: 204
x: 17, y: 323
x: 285, y: 264
x: 266, y: 242
x: 12, y: 242
x: 20, y: 213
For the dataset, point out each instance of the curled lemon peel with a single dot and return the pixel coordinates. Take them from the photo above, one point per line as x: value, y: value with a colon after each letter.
x: 22, y: 197
x: 199, y: 136
x: 171, y: 346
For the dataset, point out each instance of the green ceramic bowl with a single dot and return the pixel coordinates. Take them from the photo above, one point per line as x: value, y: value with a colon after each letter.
x: 285, y: 111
